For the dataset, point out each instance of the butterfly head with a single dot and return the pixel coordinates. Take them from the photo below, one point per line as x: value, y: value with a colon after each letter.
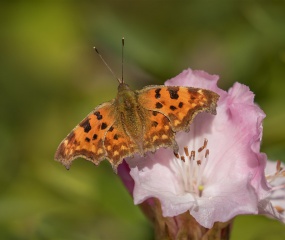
x: 125, y: 96
x: 123, y: 86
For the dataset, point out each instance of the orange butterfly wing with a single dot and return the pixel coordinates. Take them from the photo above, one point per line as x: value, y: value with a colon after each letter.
x: 87, y: 138
x: 118, y: 145
x: 158, y: 132
x: 179, y: 104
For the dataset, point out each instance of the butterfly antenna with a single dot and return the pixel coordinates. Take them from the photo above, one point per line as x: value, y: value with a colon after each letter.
x: 123, y: 44
x: 120, y: 81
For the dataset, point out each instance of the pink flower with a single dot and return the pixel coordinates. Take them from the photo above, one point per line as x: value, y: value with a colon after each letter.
x: 220, y: 171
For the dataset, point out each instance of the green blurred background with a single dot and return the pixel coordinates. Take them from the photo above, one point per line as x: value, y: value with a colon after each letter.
x: 51, y: 79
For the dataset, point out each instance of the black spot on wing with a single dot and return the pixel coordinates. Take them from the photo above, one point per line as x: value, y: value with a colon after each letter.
x: 103, y: 126
x: 154, y: 123
x: 173, y: 92
x: 86, y: 125
x: 158, y: 105
x: 157, y: 93
x: 98, y: 115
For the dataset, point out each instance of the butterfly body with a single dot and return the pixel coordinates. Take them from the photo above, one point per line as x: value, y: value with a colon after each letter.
x: 130, y: 114
x: 135, y: 122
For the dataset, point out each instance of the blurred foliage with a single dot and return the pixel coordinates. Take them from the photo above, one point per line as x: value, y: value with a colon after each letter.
x: 51, y: 78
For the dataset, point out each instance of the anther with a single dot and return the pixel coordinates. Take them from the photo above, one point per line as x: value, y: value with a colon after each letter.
x: 186, y: 151
x: 182, y: 158
x: 204, y: 145
x: 207, y: 153
x: 176, y: 155
x: 278, y: 166
x: 199, y: 162
x: 279, y: 209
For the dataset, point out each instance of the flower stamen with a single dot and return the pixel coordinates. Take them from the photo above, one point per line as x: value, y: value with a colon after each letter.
x: 204, y: 145
x: 207, y: 153
x: 176, y: 155
x: 279, y: 209
x: 280, y: 172
x: 192, y: 156
x: 200, y: 188
x: 278, y: 166
x: 186, y: 151
x: 191, y: 170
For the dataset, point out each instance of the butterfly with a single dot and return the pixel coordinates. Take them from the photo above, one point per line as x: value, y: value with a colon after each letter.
x: 135, y: 122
